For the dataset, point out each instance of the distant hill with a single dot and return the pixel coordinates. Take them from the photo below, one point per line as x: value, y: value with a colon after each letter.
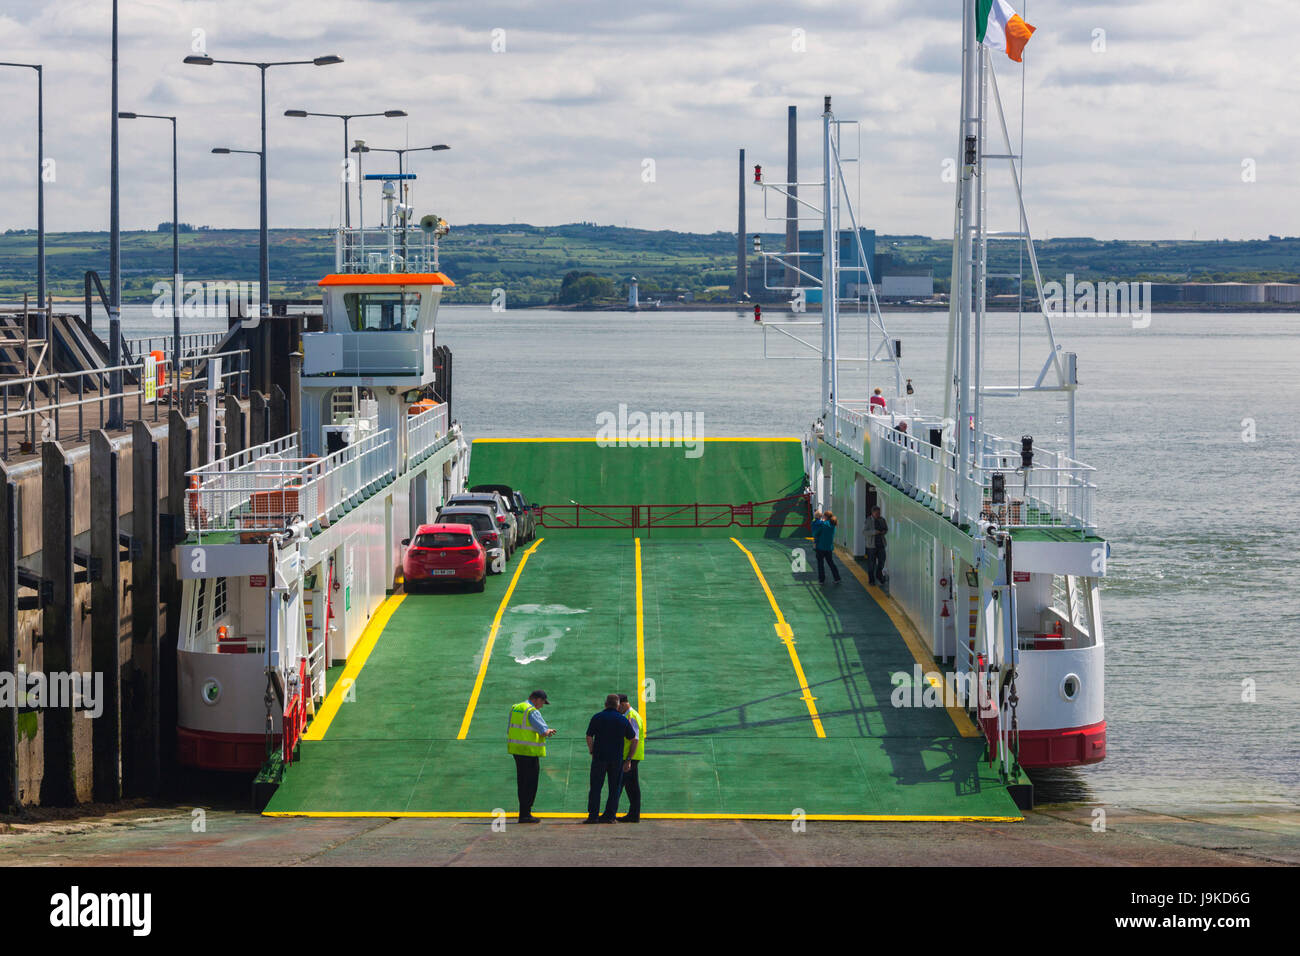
x: 530, y: 262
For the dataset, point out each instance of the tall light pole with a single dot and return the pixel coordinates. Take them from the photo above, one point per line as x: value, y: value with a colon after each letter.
x: 345, y: 117
x: 176, y: 245
x: 115, y: 417
x: 264, y: 277
x: 40, y: 178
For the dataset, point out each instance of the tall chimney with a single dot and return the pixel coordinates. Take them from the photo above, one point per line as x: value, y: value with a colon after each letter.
x: 742, y: 273
x: 791, y: 206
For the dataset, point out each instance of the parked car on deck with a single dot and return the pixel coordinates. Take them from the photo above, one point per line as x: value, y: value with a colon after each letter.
x: 525, y: 519
x: 482, y: 518
x: 505, y: 519
x: 444, y: 552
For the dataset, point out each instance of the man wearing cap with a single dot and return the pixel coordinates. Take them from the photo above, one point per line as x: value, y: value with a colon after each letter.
x: 605, y: 735
x: 526, y: 736
x: 633, y: 753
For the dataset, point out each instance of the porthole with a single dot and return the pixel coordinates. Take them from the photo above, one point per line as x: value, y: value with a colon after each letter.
x: 1070, y: 685
x: 211, y: 691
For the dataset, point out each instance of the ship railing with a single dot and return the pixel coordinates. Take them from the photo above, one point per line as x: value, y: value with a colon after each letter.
x: 911, y: 463
x: 331, y: 487
x: 316, y: 669
x: 851, y: 432
x: 222, y: 491
x: 210, y: 641
x: 384, y: 250
x: 424, y: 431
x: 1057, y: 492
x: 274, y: 489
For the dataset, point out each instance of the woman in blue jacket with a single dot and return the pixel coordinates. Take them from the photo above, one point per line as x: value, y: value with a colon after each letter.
x: 823, y: 529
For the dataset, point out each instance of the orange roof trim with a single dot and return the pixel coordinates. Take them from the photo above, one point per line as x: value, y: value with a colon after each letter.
x: 387, y: 278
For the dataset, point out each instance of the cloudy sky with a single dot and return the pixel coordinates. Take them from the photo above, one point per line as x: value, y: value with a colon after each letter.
x: 1144, y: 119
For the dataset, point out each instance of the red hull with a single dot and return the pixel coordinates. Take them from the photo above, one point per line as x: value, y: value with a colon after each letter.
x: 1066, y: 747
x: 209, y: 750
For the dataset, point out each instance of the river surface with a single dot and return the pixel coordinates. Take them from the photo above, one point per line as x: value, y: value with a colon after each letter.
x: 1193, y: 424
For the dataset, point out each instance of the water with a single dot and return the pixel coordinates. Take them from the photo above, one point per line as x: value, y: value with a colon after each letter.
x: 1200, y: 595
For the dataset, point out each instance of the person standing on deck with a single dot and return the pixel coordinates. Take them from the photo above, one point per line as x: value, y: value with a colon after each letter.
x: 526, y: 736
x: 633, y: 757
x: 823, y: 529
x: 877, y: 402
x: 605, y: 735
x: 877, y: 528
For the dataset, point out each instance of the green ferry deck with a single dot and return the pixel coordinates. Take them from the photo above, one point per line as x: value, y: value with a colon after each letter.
x: 767, y: 694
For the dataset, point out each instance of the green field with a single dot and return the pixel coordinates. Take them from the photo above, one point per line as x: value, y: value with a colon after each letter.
x: 530, y: 262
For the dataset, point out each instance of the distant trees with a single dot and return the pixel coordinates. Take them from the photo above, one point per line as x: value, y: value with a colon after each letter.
x: 580, y: 287
x: 184, y: 227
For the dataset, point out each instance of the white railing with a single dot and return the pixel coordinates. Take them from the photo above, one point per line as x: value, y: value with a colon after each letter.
x: 333, y: 486
x: 851, y: 432
x: 383, y: 250
x: 273, y: 487
x: 423, y: 432
x: 1057, y: 492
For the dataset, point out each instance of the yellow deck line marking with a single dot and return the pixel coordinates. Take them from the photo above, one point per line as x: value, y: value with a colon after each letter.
x: 826, y: 817
x: 492, y: 639
x: 356, y: 660
x: 640, y: 644
x: 786, y: 633
x: 960, y: 719
x: 511, y: 441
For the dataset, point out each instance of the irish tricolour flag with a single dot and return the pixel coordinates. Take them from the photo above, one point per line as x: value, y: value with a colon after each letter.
x: 998, y: 25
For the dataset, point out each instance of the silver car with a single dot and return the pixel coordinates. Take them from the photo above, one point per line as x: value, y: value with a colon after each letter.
x: 506, y: 520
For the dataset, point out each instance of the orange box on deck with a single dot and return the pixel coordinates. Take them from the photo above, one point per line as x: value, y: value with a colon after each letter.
x: 272, y: 506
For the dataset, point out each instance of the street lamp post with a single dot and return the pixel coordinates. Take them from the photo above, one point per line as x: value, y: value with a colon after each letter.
x: 176, y: 248
x: 345, y: 117
x: 40, y: 178
x: 264, y: 276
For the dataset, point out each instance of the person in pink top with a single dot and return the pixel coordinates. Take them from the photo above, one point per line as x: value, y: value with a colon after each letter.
x: 877, y: 402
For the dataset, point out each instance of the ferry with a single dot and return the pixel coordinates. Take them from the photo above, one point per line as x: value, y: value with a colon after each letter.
x: 680, y: 577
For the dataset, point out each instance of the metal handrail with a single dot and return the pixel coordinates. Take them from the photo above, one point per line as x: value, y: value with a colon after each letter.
x: 148, y: 390
x: 1055, y: 493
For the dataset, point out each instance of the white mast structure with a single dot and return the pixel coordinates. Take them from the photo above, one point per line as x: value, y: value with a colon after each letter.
x: 834, y: 215
x: 967, y: 317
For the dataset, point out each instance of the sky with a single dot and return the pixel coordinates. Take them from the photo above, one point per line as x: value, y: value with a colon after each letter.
x: 1158, y: 119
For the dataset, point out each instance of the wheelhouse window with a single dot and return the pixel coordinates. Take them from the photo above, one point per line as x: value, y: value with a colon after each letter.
x: 382, y: 311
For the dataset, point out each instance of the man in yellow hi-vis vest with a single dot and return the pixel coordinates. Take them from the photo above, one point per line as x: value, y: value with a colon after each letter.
x: 526, y: 736
x: 631, y: 783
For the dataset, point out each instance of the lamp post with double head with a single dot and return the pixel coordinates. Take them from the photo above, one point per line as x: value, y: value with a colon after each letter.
x: 345, y: 117
x: 264, y: 271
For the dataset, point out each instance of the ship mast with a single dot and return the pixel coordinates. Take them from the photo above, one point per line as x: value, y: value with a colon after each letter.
x: 966, y: 272
x: 967, y: 317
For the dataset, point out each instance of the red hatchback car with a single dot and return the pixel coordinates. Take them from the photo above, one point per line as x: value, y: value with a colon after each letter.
x: 444, y: 552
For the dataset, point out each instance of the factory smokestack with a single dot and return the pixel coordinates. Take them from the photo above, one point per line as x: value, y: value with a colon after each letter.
x: 742, y: 273
x: 791, y: 206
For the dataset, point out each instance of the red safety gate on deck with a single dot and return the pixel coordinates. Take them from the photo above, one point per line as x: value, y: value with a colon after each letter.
x: 751, y: 514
